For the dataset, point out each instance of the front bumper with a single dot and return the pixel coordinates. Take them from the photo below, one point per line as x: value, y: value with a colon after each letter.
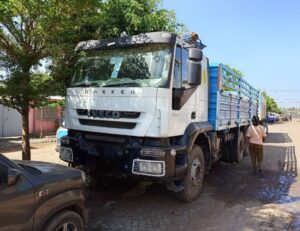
x: 134, y: 160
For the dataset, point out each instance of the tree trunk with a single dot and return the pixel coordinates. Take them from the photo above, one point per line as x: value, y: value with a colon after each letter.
x: 25, y: 135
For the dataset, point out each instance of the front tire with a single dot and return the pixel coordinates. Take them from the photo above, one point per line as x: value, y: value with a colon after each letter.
x: 65, y: 221
x: 193, y: 181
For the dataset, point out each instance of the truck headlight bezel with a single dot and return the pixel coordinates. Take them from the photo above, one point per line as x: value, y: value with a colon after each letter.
x: 66, y: 154
x: 154, y: 168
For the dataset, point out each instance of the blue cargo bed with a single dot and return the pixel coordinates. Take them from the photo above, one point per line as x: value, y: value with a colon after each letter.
x: 233, y: 101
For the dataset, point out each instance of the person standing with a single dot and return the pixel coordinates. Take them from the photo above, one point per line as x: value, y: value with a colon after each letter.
x: 255, y: 137
x: 266, y: 124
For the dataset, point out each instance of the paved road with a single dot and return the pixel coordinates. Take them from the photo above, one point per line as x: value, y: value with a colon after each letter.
x: 232, y: 199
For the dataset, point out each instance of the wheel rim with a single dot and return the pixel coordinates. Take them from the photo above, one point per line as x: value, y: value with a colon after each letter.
x: 196, y: 173
x: 67, y: 227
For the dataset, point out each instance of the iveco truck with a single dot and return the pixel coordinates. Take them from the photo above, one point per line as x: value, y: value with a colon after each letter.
x: 152, y: 106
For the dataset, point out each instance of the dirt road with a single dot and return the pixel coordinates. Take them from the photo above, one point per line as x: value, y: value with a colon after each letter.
x: 232, y: 199
x: 40, y: 151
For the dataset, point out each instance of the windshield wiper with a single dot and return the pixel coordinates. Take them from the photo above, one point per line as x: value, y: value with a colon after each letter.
x: 92, y: 84
x: 130, y: 84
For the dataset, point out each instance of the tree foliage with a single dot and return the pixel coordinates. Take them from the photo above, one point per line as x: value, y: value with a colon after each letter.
x: 271, y: 104
x: 234, y: 70
x: 112, y: 18
x: 135, y: 16
x: 29, y: 32
x: 35, y: 32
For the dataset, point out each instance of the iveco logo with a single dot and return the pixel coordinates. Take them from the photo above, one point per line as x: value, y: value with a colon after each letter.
x: 103, y: 114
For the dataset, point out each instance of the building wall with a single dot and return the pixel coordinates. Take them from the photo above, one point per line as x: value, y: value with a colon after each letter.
x: 10, y: 122
x: 44, y: 121
x: 41, y: 122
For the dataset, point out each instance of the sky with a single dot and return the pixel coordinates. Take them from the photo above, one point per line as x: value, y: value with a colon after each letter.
x: 261, y: 38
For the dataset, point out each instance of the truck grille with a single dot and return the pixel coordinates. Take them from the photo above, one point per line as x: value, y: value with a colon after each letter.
x: 108, y: 124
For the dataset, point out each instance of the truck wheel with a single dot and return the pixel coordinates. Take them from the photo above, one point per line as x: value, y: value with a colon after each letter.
x: 236, y: 149
x: 193, y: 181
x: 65, y: 221
x: 240, y: 148
x: 226, y: 152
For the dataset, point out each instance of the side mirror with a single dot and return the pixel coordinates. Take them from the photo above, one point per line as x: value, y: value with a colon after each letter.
x: 195, y: 71
x: 195, y: 54
x: 12, y: 176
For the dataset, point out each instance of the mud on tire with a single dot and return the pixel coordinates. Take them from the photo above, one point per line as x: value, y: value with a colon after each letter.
x: 193, y: 181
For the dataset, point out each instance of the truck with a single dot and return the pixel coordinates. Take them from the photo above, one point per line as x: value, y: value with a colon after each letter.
x: 151, y: 106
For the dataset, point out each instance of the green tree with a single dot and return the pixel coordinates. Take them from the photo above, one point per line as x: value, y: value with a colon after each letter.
x: 135, y: 16
x: 29, y: 33
x: 113, y: 18
x: 271, y: 104
x: 234, y: 70
x: 33, y: 32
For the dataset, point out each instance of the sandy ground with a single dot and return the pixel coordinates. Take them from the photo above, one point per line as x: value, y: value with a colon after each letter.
x: 39, y: 152
x: 232, y: 199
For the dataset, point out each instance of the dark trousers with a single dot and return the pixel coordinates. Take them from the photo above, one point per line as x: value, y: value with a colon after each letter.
x: 257, y: 154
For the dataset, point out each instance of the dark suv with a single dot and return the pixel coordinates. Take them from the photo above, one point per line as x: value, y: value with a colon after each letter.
x: 41, y: 196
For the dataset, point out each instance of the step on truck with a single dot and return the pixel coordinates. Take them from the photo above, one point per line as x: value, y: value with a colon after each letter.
x: 151, y: 106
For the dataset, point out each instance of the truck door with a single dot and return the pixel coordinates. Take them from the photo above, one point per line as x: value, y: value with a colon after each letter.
x: 16, y: 202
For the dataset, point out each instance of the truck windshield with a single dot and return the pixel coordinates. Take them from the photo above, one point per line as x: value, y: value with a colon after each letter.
x: 138, y: 66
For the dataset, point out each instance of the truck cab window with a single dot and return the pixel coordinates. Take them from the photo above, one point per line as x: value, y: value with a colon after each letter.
x: 181, y: 69
x: 177, y: 69
x: 185, y: 67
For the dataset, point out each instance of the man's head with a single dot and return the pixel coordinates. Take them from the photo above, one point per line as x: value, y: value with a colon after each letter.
x: 255, y: 120
x: 195, y: 36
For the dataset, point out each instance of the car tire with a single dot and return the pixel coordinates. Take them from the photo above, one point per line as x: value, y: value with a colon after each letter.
x: 193, y: 180
x: 65, y: 221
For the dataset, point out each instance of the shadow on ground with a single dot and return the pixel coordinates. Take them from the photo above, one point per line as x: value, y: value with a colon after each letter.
x: 13, y: 144
x: 12, y: 148
x: 124, y: 206
x: 278, y: 138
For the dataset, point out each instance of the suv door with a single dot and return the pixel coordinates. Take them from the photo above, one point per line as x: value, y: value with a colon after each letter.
x: 17, y: 201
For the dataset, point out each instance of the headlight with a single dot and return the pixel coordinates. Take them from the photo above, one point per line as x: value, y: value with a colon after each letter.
x: 66, y: 154
x: 154, y: 168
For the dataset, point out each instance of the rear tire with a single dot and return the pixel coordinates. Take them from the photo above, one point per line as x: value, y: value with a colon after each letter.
x: 193, y: 181
x: 65, y: 221
x: 239, y: 149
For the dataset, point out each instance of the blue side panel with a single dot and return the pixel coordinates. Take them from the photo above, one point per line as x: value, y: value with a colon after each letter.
x: 232, y: 100
x: 213, y: 95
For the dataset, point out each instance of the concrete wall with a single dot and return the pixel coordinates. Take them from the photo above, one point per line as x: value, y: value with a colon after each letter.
x: 10, y: 122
